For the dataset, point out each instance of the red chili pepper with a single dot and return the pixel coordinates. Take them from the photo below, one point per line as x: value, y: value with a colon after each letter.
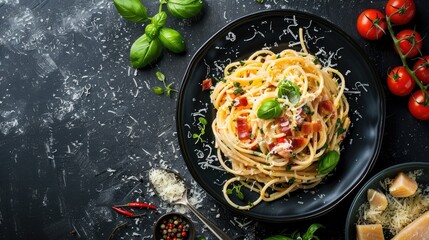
x: 126, y: 213
x: 138, y: 205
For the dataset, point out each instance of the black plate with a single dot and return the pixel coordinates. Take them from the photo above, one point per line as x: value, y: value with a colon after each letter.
x: 279, y: 30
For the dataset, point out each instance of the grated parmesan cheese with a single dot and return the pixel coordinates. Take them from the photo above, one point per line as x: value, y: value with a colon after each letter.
x: 399, y: 212
x: 167, y: 185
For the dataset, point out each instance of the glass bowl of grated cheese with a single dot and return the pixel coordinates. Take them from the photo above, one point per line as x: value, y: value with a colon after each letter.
x: 393, y: 204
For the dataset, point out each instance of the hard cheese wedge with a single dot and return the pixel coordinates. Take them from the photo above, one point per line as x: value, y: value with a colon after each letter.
x: 377, y: 200
x: 416, y: 230
x: 402, y: 186
x: 369, y: 232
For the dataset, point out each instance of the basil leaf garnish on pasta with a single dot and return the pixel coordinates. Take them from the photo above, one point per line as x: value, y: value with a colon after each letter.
x: 328, y: 162
x: 269, y: 109
x: 289, y: 90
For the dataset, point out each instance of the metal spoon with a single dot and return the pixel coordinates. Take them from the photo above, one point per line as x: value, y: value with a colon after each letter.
x: 184, y: 201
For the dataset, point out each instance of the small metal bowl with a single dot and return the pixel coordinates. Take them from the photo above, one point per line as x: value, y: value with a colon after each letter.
x: 163, y: 224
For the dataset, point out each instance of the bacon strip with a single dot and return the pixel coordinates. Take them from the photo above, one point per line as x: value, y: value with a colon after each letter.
x: 241, y: 102
x: 325, y: 107
x: 298, y: 142
x: 243, y: 128
x: 207, y: 84
x: 311, y: 127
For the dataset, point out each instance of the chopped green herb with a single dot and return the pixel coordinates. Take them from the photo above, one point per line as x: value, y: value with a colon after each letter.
x: 288, y: 167
x: 231, y: 69
x: 238, y: 91
x: 316, y: 60
x: 307, y: 110
x: 340, y: 129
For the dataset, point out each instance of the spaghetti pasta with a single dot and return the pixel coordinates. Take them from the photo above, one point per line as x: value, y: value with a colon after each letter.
x: 277, y: 116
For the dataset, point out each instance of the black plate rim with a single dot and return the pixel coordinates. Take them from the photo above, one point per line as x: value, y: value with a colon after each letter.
x: 377, y: 176
x: 267, y: 13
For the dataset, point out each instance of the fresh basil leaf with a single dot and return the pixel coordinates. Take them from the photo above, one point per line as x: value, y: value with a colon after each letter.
x: 289, y: 90
x: 151, y: 31
x: 309, y: 235
x: 159, y: 19
x: 328, y: 162
x: 131, y: 10
x: 269, y: 109
x: 145, y: 51
x: 172, y: 40
x: 184, y: 8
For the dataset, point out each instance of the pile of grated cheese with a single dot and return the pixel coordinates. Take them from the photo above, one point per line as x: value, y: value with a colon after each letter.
x: 166, y: 184
x: 400, y: 211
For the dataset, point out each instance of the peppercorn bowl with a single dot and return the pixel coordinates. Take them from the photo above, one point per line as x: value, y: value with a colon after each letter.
x: 174, y: 225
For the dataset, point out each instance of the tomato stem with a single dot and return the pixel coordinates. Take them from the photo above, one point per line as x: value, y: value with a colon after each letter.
x: 404, y: 61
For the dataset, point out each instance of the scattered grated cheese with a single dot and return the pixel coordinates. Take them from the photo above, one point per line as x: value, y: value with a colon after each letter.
x: 168, y: 187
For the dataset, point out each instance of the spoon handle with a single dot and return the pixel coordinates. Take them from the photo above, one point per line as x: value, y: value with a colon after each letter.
x: 215, y: 230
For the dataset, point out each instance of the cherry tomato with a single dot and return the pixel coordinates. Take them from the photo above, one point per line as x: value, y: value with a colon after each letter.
x: 371, y: 24
x: 410, y: 42
x: 400, y: 81
x: 421, y: 68
x: 400, y: 11
x: 416, y: 106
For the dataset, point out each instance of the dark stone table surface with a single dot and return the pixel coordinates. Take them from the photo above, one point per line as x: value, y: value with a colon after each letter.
x: 79, y: 128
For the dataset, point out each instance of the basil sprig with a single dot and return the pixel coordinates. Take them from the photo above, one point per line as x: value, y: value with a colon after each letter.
x: 184, y: 8
x: 149, y: 47
x: 269, y: 109
x: 328, y: 162
x: 288, y: 90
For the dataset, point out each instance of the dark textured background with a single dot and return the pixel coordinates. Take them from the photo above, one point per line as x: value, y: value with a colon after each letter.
x: 79, y: 128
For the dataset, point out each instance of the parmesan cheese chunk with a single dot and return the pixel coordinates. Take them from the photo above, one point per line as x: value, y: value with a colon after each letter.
x: 403, y: 186
x: 369, y: 232
x: 377, y: 200
x: 416, y: 230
